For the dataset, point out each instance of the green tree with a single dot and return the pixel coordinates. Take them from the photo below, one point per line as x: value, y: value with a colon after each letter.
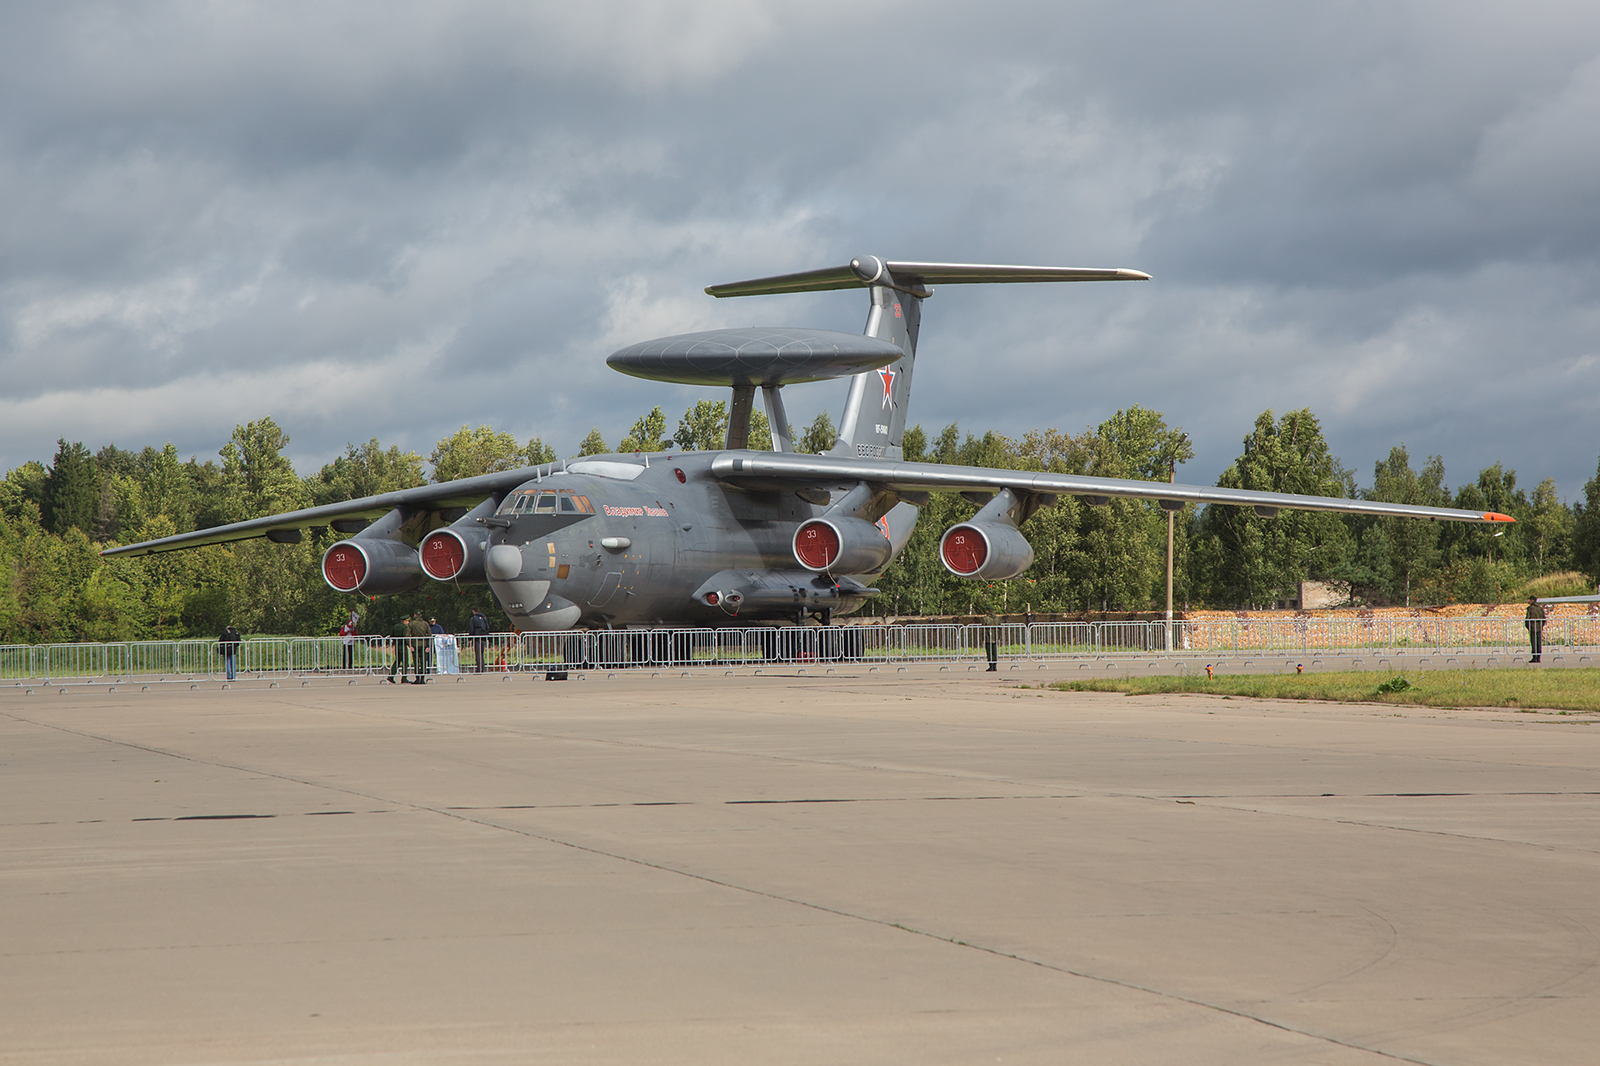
x: 594, y: 444
x: 820, y: 436
x: 760, y: 431
x: 1586, y: 530
x: 258, y: 478
x: 538, y: 453
x: 471, y: 452
x: 703, y: 427
x: 1253, y: 560
x: 71, y: 491
x: 947, y: 446
x: 1403, y: 553
x: 116, y: 473
x: 1146, y: 447
x: 164, y: 487
x: 1462, y: 543
x: 1119, y: 556
x: 210, y: 493
x: 114, y: 604
x: 365, y: 470
x: 24, y: 487
x: 648, y: 434
x: 1547, y: 531
x: 913, y: 446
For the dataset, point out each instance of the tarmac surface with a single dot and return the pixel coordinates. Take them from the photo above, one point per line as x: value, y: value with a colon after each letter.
x: 875, y: 868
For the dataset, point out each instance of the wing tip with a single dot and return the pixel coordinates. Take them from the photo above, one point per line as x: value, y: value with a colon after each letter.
x: 1496, y: 516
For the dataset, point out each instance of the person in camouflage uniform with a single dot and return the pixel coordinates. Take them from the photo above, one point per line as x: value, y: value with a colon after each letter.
x: 991, y: 641
x: 1534, y: 620
x: 421, y: 636
x: 398, y: 640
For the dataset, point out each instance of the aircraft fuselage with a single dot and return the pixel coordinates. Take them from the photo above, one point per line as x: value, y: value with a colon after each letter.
x: 579, y: 548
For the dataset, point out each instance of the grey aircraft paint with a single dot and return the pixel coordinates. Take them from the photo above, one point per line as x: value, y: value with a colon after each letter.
x: 732, y: 536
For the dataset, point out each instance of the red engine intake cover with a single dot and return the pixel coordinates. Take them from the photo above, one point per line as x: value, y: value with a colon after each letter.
x: 965, y: 550
x: 443, y: 556
x: 344, y: 568
x: 816, y: 545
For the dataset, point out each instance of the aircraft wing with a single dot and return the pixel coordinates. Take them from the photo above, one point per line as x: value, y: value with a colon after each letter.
x: 777, y: 470
x: 465, y: 493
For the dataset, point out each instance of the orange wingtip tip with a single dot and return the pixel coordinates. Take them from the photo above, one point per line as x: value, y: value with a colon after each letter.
x: 1496, y: 516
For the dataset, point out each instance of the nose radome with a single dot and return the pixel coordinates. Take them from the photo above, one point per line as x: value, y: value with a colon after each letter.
x: 504, y: 562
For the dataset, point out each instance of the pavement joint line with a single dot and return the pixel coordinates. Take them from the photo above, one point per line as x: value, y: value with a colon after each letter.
x: 509, y: 731
x: 749, y: 890
x: 544, y: 735
x: 1358, y: 823
x: 942, y: 938
x: 1186, y: 798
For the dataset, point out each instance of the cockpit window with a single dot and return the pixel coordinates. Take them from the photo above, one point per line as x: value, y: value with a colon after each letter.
x: 536, y: 501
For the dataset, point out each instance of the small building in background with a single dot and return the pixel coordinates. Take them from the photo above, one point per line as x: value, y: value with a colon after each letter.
x: 1316, y: 596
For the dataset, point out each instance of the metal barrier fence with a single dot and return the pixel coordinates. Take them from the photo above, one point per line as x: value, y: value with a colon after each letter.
x: 284, y: 657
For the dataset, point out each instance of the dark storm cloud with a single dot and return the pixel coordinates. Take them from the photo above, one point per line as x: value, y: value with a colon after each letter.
x: 389, y: 219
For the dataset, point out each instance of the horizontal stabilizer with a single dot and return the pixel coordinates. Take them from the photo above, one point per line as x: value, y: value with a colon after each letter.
x: 868, y: 269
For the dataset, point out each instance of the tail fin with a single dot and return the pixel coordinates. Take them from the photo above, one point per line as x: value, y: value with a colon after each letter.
x: 874, y: 419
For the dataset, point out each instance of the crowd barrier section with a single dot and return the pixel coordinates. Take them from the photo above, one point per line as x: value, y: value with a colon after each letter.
x: 558, y: 652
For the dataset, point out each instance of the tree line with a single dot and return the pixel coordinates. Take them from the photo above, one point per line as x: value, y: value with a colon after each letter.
x: 55, y: 518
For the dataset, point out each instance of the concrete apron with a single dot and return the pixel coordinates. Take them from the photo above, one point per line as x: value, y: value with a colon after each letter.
x: 940, y: 867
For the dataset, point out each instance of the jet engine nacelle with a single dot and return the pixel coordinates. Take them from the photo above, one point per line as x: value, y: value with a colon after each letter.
x: 841, y: 546
x: 988, y: 551
x: 372, y: 567
x: 455, y: 553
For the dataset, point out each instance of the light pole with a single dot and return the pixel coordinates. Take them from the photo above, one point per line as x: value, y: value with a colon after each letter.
x: 1172, y: 476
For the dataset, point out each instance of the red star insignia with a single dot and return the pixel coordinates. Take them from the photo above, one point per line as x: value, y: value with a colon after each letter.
x: 888, y: 385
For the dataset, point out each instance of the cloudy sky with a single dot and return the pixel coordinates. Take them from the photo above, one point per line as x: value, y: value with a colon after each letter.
x: 391, y: 219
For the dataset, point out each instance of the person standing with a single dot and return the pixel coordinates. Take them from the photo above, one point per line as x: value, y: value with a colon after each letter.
x: 478, y: 630
x: 228, y: 644
x: 420, y: 637
x: 347, y: 633
x: 399, y: 637
x: 991, y: 641
x: 1534, y: 620
x: 439, y: 650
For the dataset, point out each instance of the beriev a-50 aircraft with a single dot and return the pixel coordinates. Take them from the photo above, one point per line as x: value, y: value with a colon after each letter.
x: 707, y: 538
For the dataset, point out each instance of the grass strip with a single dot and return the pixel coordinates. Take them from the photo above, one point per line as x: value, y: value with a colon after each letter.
x: 1524, y: 689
